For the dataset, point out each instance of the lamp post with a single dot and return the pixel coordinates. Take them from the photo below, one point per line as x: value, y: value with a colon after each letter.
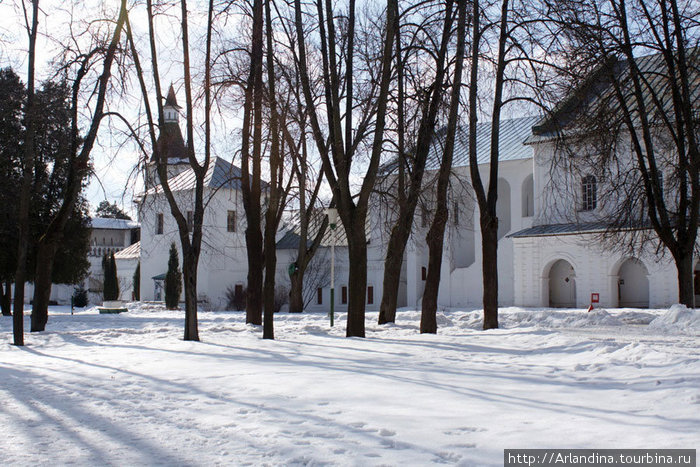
x: 332, y: 214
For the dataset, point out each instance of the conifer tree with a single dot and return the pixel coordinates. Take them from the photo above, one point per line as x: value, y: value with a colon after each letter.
x: 173, y: 280
x: 111, y: 283
x: 137, y: 282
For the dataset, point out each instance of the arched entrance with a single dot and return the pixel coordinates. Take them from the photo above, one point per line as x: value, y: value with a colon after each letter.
x: 633, y: 284
x: 562, y: 285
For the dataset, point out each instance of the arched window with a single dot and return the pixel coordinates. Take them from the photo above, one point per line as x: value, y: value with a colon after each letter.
x: 589, y: 193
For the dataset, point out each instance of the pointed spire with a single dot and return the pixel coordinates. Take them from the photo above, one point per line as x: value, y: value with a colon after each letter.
x: 171, y: 101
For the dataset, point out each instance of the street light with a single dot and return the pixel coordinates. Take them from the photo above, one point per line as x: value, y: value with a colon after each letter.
x: 332, y: 214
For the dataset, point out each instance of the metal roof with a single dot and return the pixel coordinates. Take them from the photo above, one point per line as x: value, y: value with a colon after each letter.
x: 220, y: 174
x: 130, y: 252
x: 113, y: 224
x: 561, y: 229
x: 597, y: 94
x: 512, y: 135
x: 290, y: 240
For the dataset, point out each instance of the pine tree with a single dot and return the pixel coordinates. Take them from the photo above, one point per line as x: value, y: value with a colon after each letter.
x: 137, y: 282
x: 173, y: 280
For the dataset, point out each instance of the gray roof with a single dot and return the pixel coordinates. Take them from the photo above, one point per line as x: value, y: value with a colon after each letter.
x: 221, y: 174
x: 597, y: 94
x: 113, y: 224
x: 290, y: 240
x: 513, y: 133
x: 561, y: 229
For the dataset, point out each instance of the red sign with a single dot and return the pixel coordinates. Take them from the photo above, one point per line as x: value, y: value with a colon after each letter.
x: 595, y: 298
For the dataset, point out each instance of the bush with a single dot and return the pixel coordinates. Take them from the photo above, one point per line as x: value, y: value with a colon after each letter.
x: 235, y: 298
x: 173, y: 280
x: 80, y: 297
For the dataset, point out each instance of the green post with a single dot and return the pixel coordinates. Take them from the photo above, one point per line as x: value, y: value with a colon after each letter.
x: 332, y: 302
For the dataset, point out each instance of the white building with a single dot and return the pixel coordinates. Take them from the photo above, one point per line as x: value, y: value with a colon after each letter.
x: 543, y: 259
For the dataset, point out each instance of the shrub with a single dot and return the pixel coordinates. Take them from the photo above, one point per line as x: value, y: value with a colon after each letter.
x: 80, y: 297
x: 235, y: 298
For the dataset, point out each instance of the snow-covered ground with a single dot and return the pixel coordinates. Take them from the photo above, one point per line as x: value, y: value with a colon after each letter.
x: 127, y: 390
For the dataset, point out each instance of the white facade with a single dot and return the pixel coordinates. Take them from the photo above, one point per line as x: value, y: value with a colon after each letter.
x: 222, y: 262
x: 540, y: 262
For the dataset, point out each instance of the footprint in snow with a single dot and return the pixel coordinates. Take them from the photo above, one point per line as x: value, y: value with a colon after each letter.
x: 385, y: 432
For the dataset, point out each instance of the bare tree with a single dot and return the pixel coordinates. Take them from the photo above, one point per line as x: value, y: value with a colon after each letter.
x: 27, y: 177
x: 81, y: 147
x: 632, y: 119
x: 436, y: 233
x: 190, y: 245
x: 340, y: 145
x: 410, y: 168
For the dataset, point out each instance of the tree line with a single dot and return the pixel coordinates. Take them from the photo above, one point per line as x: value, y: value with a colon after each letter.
x: 331, y: 94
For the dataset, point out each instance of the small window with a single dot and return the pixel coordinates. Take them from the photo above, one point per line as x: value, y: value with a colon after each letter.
x: 424, y: 217
x: 589, y: 192
x: 319, y: 294
x: 159, y: 223
x: 455, y: 213
x: 344, y: 295
x: 370, y: 295
x: 423, y: 273
x: 190, y: 221
x: 231, y: 221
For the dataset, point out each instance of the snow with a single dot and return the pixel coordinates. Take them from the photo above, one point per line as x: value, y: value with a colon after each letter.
x: 127, y: 390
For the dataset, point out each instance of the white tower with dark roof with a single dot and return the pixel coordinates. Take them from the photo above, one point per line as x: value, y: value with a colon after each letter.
x: 171, y: 145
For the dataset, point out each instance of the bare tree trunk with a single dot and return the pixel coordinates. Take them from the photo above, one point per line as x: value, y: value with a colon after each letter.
x: 487, y: 199
x: 296, y: 292
x: 45, y: 253
x: 401, y: 232
x: 7, y: 299
x: 686, y: 289
x: 251, y: 185
x: 436, y: 233
x: 27, y: 178
x: 274, y: 190
x: 489, y: 268
x: 357, y: 281
x: 189, y: 273
x: 392, y: 270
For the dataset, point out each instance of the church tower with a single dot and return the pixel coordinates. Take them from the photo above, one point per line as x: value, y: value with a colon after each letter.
x: 170, y: 143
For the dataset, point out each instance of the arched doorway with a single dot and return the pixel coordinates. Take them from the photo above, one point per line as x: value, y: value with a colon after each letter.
x: 562, y: 285
x: 633, y: 284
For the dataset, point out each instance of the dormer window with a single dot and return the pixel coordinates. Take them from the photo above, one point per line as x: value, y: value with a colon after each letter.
x: 589, y: 193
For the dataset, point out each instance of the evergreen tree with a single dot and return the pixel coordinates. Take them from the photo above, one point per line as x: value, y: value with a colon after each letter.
x: 137, y: 282
x: 173, y: 280
x: 111, y: 282
x: 104, y: 209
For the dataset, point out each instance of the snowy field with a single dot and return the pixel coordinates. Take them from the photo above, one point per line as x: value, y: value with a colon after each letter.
x: 127, y: 390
